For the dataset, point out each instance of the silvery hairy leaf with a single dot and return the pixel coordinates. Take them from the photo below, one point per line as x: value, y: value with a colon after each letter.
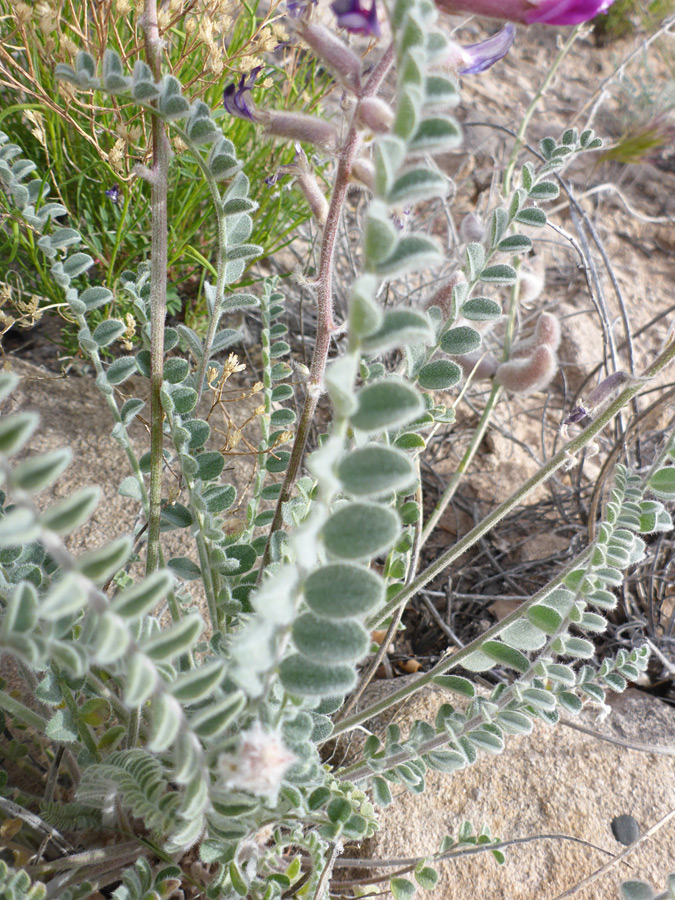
x: 342, y: 590
x: 344, y: 641
x: 398, y: 328
x: 374, y: 469
x: 16, y: 430
x: 360, y: 530
x: 385, y: 404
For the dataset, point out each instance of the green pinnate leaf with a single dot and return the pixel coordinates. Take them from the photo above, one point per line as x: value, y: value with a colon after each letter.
x: 386, y: 404
x: 436, y: 135
x: 16, y: 430
x: 330, y: 642
x: 140, y: 682
x: 141, y: 598
x: 343, y: 590
x: 412, y: 252
x: 360, y: 531
x: 416, y: 185
x: 67, y: 596
x: 662, y: 483
x: 374, y: 469
x: 108, y: 331
x: 38, y: 472
x: 439, y: 375
x: 398, y: 328
x: 100, y: 564
x: 178, y: 638
x: 121, y: 369
x: 460, y: 340
x: 191, y: 687
x: 481, y: 309
x: 402, y: 889
x: 531, y: 216
x: 309, y: 679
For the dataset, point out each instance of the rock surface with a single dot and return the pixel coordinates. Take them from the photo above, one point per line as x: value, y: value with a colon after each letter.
x: 557, y: 781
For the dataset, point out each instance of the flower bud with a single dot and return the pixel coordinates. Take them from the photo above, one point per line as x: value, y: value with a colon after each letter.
x: 375, y: 115
x: 364, y: 171
x: 526, y: 376
x: 299, y: 127
x: 471, y: 229
x: 339, y: 58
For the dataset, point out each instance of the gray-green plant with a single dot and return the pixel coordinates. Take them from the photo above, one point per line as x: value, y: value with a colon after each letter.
x: 187, y: 747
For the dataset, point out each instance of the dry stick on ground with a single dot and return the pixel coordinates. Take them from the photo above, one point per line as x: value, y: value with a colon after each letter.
x: 618, y: 858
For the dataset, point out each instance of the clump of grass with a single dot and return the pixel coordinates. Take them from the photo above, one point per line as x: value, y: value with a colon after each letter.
x: 626, y: 17
x: 91, y: 150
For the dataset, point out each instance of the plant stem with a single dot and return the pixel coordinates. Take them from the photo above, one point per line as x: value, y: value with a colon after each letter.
x: 529, y: 112
x: 158, y: 265
x: 324, y: 292
x: 23, y: 713
x: 451, y: 661
x: 556, y: 462
x: 466, y: 461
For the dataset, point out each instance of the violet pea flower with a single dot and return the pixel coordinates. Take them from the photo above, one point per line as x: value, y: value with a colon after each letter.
x: 529, y: 12
x: 478, y: 57
x: 353, y: 16
x: 237, y: 100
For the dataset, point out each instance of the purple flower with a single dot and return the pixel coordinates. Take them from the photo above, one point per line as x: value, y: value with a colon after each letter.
x: 114, y: 193
x: 566, y: 12
x: 575, y: 415
x: 355, y: 18
x: 548, y: 12
x: 297, y: 7
x: 236, y: 99
x: 484, y: 54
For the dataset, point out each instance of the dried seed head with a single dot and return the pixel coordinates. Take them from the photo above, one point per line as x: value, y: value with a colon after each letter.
x: 340, y: 59
x: 526, y: 376
x: 375, y: 115
x: 299, y: 127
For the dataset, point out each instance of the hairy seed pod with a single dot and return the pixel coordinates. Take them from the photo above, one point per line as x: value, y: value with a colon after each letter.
x: 364, y: 171
x: 483, y: 365
x: 531, y: 284
x: 529, y: 375
x: 375, y: 115
x: 314, y: 196
x: 339, y: 58
x: 299, y: 127
x: 471, y: 229
x: 546, y: 331
x: 442, y: 298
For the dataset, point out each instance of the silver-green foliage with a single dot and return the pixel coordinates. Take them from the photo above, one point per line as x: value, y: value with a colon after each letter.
x: 184, y: 703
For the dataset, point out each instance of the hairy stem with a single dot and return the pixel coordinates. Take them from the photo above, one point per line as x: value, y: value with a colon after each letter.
x: 529, y: 112
x: 158, y: 265
x: 324, y: 291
